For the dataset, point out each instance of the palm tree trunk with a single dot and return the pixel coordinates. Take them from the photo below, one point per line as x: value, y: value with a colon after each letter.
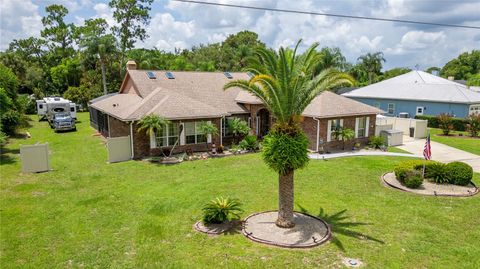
x: 104, y: 80
x: 285, y: 200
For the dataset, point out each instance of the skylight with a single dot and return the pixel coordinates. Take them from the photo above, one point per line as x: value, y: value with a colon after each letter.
x: 169, y: 75
x: 151, y: 75
x: 228, y: 75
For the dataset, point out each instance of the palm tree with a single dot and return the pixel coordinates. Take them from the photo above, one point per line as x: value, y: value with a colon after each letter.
x: 286, y: 83
x: 331, y: 58
x: 152, y: 124
x: 372, y: 63
x: 208, y: 128
x: 238, y: 127
x: 344, y: 134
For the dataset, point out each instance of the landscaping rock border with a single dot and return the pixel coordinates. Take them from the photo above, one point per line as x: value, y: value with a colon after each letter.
x: 431, y: 189
x: 308, y: 232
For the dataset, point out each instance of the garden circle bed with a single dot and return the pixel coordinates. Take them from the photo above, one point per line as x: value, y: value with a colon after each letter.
x: 429, y: 188
x: 308, y: 232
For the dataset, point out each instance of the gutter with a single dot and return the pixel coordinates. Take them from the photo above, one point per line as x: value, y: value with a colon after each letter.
x: 131, y: 138
x: 318, y: 131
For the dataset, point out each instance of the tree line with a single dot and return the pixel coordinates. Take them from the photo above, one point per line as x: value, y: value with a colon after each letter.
x: 87, y: 61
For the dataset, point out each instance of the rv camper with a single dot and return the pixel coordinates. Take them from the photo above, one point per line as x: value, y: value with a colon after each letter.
x: 48, y: 106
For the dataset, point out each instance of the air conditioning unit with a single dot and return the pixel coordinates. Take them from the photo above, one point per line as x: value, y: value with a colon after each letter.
x: 404, y: 115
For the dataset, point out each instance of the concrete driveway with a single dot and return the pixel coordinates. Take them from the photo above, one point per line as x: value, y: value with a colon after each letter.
x: 441, y: 152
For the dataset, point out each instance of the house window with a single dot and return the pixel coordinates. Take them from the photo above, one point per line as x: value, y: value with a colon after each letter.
x: 193, y: 134
x: 391, y: 108
x: 335, y: 125
x: 361, y: 127
x: 167, y: 136
x: 419, y: 110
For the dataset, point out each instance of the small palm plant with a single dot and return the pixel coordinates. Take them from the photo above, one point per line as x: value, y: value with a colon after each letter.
x: 345, y: 135
x: 238, y: 127
x: 208, y: 128
x: 221, y: 210
x: 152, y: 124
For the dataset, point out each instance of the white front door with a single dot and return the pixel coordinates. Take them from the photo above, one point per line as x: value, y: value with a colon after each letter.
x: 419, y: 110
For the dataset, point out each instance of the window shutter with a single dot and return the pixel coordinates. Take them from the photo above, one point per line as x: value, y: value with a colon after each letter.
x: 329, y: 131
x: 182, y: 134
x: 341, y: 123
x: 367, y: 125
x: 153, y: 141
x: 356, y: 127
x: 209, y: 137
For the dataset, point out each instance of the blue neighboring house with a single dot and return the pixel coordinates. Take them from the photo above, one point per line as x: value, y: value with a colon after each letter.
x: 419, y: 93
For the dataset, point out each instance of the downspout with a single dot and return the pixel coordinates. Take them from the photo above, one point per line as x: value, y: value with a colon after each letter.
x: 318, y: 132
x: 221, y: 130
x: 131, y: 138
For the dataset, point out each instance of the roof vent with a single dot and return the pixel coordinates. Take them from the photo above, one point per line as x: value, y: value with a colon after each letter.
x: 169, y: 75
x: 228, y: 75
x: 151, y: 75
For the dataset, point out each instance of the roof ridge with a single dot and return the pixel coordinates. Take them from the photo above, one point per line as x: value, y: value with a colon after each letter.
x: 144, y: 100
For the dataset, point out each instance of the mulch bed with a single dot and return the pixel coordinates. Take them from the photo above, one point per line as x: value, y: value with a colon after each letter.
x: 430, y: 188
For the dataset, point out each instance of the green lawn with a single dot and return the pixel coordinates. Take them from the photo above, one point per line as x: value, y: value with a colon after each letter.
x: 397, y: 150
x: 466, y: 143
x: 87, y: 213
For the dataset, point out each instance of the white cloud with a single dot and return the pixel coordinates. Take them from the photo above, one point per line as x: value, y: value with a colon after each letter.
x: 18, y: 20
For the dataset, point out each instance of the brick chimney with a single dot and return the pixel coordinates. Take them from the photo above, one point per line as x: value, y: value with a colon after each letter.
x: 131, y: 65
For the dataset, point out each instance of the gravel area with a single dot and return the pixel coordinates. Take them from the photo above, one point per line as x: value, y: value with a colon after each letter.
x: 429, y: 188
x: 309, y: 231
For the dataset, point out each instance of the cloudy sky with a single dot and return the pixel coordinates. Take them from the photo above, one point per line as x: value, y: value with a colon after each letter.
x: 183, y: 25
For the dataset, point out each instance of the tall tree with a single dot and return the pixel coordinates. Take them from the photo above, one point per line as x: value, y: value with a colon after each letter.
x: 397, y: 71
x: 286, y: 84
x: 331, y: 58
x: 372, y: 63
x: 98, y: 44
x: 56, y: 30
x: 131, y: 16
x: 464, y: 66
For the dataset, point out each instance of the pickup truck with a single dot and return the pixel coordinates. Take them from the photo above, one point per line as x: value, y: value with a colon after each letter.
x: 62, y: 122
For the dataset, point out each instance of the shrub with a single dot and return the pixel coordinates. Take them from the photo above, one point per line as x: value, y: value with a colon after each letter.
x: 473, y: 124
x: 402, y: 169
x: 413, y: 179
x: 445, y: 123
x: 459, y: 173
x: 220, y: 149
x: 436, y: 172
x: 221, y: 210
x: 282, y: 152
x: 249, y: 143
x: 376, y: 142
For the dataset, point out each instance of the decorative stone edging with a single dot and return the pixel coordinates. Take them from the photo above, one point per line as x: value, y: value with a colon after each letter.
x: 316, y: 242
x: 405, y: 189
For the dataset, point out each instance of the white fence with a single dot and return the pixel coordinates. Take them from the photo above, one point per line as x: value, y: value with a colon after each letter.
x: 402, y: 124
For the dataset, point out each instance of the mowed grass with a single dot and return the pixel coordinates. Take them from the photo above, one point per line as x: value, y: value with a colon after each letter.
x: 90, y: 214
x: 465, y: 143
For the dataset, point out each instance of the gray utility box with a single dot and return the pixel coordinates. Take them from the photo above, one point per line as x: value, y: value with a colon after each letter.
x: 392, y: 137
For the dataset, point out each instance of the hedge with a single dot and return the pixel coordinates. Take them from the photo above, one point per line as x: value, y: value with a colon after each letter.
x: 459, y: 124
x: 456, y: 173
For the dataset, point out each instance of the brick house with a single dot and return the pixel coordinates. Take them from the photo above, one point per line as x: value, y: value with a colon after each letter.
x: 189, y: 98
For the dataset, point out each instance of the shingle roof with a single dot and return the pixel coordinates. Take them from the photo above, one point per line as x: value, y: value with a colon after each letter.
x: 325, y: 105
x: 200, y: 95
x: 189, y: 95
x: 418, y: 85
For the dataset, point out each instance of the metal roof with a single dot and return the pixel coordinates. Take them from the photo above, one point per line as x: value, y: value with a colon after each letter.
x: 418, y: 86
